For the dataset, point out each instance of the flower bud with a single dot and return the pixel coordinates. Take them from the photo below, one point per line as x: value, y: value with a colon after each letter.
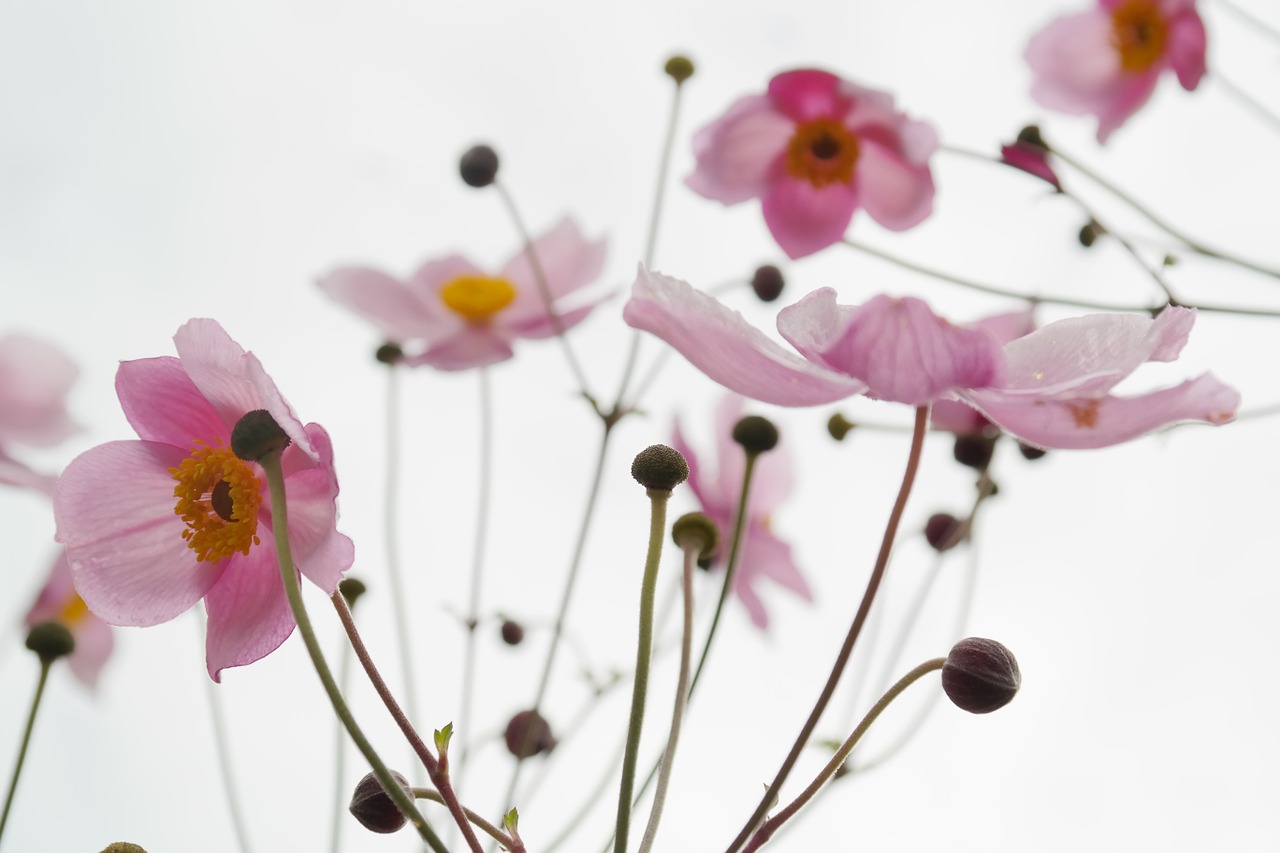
x: 257, y: 435
x: 839, y: 426
x: 1030, y: 135
x: 50, y: 641
x: 974, y: 450
x: 528, y: 734
x: 1090, y: 232
x: 679, y: 68
x: 1030, y: 451
x: 660, y: 467
x: 942, y: 531
x: 756, y: 434
x: 479, y: 166
x: 512, y: 632
x: 389, y: 353
x: 352, y: 589
x: 980, y: 676
x: 122, y: 847
x: 373, y: 806
x: 696, y: 530
x: 768, y: 282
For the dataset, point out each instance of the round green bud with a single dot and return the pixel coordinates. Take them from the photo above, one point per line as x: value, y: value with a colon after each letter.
x: 660, y: 467
x: 696, y: 530
x: 1090, y: 232
x: 352, y: 589
x: 257, y: 435
x: 839, y: 426
x: 50, y: 641
x: 389, y: 353
x: 1030, y: 135
x: 980, y: 676
x: 756, y: 434
x: 679, y: 68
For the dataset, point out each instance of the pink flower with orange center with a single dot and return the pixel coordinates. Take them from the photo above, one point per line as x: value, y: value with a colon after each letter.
x: 59, y: 602
x: 35, y: 377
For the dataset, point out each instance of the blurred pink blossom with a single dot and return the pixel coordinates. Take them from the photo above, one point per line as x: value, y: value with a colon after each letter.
x: 59, y: 602
x: 815, y: 148
x: 1049, y: 388
x: 1030, y: 158
x: 462, y: 317
x: 153, y: 526
x: 763, y: 555
x: 1106, y: 61
x: 35, y: 377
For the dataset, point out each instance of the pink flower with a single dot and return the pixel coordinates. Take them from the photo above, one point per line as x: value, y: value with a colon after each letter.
x: 1049, y: 388
x: 1106, y: 61
x: 959, y: 418
x: 35, y: 377
x: 463, y: 317
x: 153, y: 526
x: 763, y: 555
x: 814, y: 149
x: 1032, y: 159
x: 59, y: 602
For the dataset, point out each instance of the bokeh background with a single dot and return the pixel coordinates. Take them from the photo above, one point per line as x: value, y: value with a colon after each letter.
x: 161, y: 161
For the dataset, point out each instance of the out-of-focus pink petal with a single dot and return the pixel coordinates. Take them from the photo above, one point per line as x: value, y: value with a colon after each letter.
x: 736, y: 153
x: 1128, y: 98
x: 1090, y: 422
x: 765, y: 556
x: 398, y: 311
x: 162, y: 404
x: 56, y: 602
x: 808, y: 93
x: 473, y: 346
x: 958, y: 418
x: 94, y: 644
x: 1031, y: 159
x: 1087, y: 356
x: 542, y: 326
x: 896, y: 193
x: 771, y: 479
x: 731, y: 460
x: 907, y: 354
x: 1076, y: 67
x: 249, y: 616
x: 568, y: 261
x: 1008, y: 327
x: 14, y: 473
x: 433, y: 275
x: 751, y: 602
x: 720, y: 343
x: 124, y: 542
x: 35, y: 377
x: 703, y: 487
x: 805, y: 219
x: 1186, y: 49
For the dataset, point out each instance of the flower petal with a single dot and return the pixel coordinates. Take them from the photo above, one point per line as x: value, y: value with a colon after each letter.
x: 162, y: 404
x: 568, y: 261
x: 1186, y: 48
x: 35, y: 377
x: 1076, y: 67
x: 721, y: 344
x: 114, y: 511
x: 249, y: 615
x: 808, y: 93
x: 736, y: 153
x: 472, y: 346
x: 805, y: 219
x: 14, y: 473
x: 771, y: 478
x: 895, y: 192
x: 1127, y: 99
x: 703, y: 487
x: 542, y: 326
x: 765, y: 556
x: 396, y: 309
x: 94, y: 644
x: 320, y: 552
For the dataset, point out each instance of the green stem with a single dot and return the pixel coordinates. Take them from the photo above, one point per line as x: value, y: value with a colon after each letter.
x: 657, y: 529
x: 289, y: 576
x: 220, y: 741
x: 513, y: 846
x: 341, y: 787
x: 859, y: 619
x: 26, y: 740
x: 772, y: 825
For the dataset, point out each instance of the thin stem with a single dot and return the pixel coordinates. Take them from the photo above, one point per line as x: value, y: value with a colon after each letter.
x: 484, y: 485
x: 1249, y: 102
x: 644, y: 646
x: 1255, y: 23
x: 544, y: 288
x: 681, y: 700
x: 487, y: 828
x: 439, y: 777
x: 772, y: 825
x: 289, y: 576
x: 26, y: 740
x: 220, y: 742
x: 859, y: 619
x: 341, y: 786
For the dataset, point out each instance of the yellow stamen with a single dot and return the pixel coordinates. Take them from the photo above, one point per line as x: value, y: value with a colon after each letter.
x: 477, y: 297
x: 73, y: 610
x: 1138, y: 33
x: 822, y: 151
x: 218, y: 497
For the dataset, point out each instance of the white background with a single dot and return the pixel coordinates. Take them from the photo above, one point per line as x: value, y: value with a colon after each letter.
x: 161, y: 161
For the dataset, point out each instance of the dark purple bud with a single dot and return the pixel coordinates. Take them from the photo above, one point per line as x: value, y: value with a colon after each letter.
x: 528, y: 734
x: 512, y: 632
x: 975, y: 450
x: 373, y: 806
x: 942, y: 531
x: 479, y: 166
x: 1030, y: 451
x: 257, y: 435
x: 980, y: 676
x: 767, y: 282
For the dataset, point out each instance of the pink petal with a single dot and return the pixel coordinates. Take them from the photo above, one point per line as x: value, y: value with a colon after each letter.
x: 1031, y: 159
x: 805, y: 219
x: 567, y: 260
x: 114, y: 511
x: 1076, y: 67
x: 14, y: 473
x: 721, y: 344
x: 958, y: 418
x: 472, y: 346
x: 320, y: 552
x: 398, y: 311
x: 771, y: 480
x: 703, y: 487
x: 35, y: 377
x: 542, y: 326
x: 1186, y: 48
x: 815, y: 324
x: 765, y: 556
x: 162, y: 404
x: 807, y: 93
x: 895, y: 192
x: 736, y: 153
x: 94, y: 644
x: 1126, y: 100
x: 249, y: 615
x: 1090, y: 422
x: 1008, y: 327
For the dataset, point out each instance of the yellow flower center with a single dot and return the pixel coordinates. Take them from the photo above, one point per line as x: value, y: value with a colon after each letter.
x: 218, y: 497
x: 1138, y: 33
x: 477, y: 297
x: 822, y: 151
x: 73, y: 610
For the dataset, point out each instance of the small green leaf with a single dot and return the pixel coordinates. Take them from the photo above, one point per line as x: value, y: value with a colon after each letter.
x: 511, y: 820
x: 442, y: 737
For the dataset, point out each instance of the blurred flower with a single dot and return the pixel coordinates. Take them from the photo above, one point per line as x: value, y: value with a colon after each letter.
x: 763, y: 555
x: 35, y: 377
x: 1031, y: 157
x: 1106, y: 61
x: 814, y: 149
x: 153, y: 526
x: 59, y: 602
x: 1049, y: 388
x: 464, y: 317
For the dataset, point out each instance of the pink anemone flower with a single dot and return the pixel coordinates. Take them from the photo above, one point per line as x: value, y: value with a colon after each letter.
x: 59, y: 602
x: 35, y: 377
x: 463, y: 317
x: 1049, y: 388
x: 763, y: 555
x: 155, y: 525
x: 814, y: 149
x: 956, y: 417
x: 1106, y: 61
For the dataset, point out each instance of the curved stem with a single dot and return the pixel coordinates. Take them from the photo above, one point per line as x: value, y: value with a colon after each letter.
x: 487, y: 828
x: 289, y: 576
x: 1255, y: 23
x: 771, y: 826
x: 1249, y: 102
x: 220, y: 742
x: 26, y: 741
x: 859, y: 619
x: 644, y: 646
